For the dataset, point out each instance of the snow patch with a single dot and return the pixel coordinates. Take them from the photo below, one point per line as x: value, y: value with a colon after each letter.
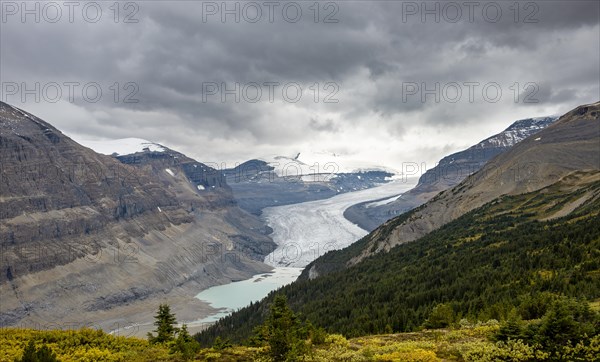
x: 170, y: 172
x: 200, y: 187
x: 383, y: 202
x: 518, y: 131
x: 124, y: 146
x: 319, y: 177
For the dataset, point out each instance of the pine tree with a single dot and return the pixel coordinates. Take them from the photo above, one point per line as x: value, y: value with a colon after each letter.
x: 282, y: 332
x: 511, y: 329
x: 165, y: 325
x: 45, y: 354
x: 31, y: 354
x: 183, y: 335
x: 441, y: 316
x: 185, y: 344
x: 221, y: 344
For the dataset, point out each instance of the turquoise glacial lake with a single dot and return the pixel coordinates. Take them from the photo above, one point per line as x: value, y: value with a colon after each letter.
x: 230, y: 297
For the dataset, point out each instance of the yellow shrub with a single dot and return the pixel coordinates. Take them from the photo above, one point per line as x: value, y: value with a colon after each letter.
x: 417, y: 355
x: 509, y: 351
x: 590, y: 352
x: 337, y: 340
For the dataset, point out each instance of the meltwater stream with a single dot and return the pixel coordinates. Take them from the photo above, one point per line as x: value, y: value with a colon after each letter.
x: 303, y: 232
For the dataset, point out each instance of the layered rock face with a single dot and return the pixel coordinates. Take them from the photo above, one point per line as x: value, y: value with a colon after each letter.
x: 54, y: 190
x: 94, y: 239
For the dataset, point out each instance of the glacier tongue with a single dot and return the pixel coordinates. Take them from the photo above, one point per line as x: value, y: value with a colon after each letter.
x: 308, y: 230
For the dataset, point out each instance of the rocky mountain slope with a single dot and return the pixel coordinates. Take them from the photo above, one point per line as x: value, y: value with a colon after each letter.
x: 447, y: 173
x: 198, y: 188
x: 571, y: 143
x: 92, y: 239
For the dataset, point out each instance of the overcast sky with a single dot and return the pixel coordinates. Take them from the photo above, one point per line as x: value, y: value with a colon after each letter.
x: 369, y: 60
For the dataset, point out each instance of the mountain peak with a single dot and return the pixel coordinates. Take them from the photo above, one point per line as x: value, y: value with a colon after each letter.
x: 517, y: 132
x: 123, y: 146
x: 15, y: 121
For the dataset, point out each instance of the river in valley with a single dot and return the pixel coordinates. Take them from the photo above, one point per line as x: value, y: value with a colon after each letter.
x: 303, y: 232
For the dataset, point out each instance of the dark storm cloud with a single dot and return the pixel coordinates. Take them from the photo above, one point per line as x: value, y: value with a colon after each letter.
x: 327, y: 125
x: 372, y: 53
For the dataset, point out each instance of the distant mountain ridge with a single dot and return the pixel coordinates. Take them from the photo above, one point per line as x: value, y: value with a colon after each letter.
x: 517, y: 132
x: 270, y: 181
x: 257, y: 184
x: 449, y: 171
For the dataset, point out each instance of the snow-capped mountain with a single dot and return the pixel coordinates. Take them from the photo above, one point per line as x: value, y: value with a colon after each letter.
x: 517, y: 132
x: 474, y: 157
x: 305, y: 176
x: 449, y: 171
x: 272, y: 181
x: 123, y: 146
x: 567, y: 149
x: 312, y: 163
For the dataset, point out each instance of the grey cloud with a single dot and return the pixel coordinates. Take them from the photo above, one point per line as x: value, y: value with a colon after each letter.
x: 327, y: 125
x: 370, y: 53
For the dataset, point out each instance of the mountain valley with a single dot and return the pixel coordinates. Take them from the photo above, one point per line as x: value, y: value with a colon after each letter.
x: 529, y: 234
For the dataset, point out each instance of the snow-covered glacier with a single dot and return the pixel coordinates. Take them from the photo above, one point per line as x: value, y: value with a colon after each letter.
x: 307, y: 230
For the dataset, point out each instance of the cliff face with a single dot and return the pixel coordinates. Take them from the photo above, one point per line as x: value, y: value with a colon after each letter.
x: 194, y: 184
x: 84, y: 234
x: 54, y: 190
